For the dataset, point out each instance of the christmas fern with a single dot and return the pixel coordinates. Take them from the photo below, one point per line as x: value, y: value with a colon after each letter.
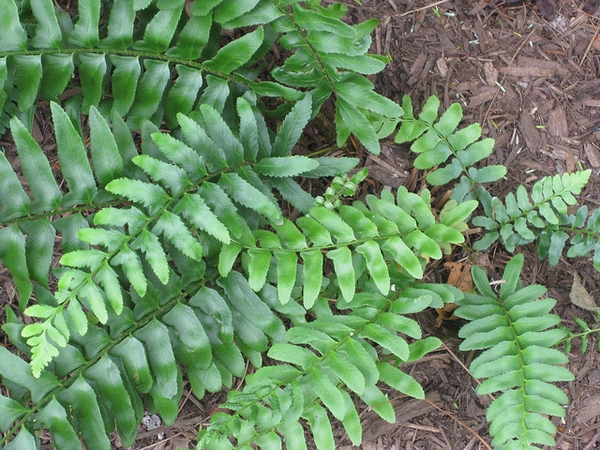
x: 518, y: 334
x: 177, y: 261
x: 542, y: 215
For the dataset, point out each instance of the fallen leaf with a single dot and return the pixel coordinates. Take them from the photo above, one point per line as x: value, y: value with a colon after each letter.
x: 581, y: 297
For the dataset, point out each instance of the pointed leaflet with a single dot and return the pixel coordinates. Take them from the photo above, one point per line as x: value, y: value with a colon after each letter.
x: 387, y: 339
x: 182, y: 155
x: 358, y: 124
x: 342, y: 232
x: 23, y: 440
x: 183, y: 93
x: 124, y: 81
x: 14, y: 200
x: 54, y: 417
x: 247, y: 195
x: 29, y: 74
x: 346, y: 371
x: 149, y: 244
x: 289, y: 166
x: 155, y: 336
x: 13, y: 37
x: 171, y: 176
x: 215, y: 94
x: 292, y: 127
x: 376, y: 265
x: 400, y: 381
x: 85, y: 32
x: 212, y: 304
x: 82, y: 401
x: 151, y: 88
x: 327, y: 392
x: 132, y: 266
x: 73, y: 158
x: 287, y: 266
x: 190, y: 333
x: 48, y: 34
x: 342, y: 264
x: 10, y: 411
x: 120, y: 25
x: 114, y: 396
x: 106, y: 158
x: 195, y: 136
x: 58, y: 71
x: 318, y: 21
x: 236, y: 53
x: 249, y: 305
x: 258, y: 267
x: 133, y: 356
x: 12, y: 255
x: 92, y: 70
x: 39, y: 248
x: 36, y: 168
x: 312, y: 273
x: 175, y: 231
x: 219, y: 131
x: 193, y: 38
x: 159, y: 32
x: 358, y: 92
x: 193, y: 208
x: 320, y: 426
x: 150, y: 195
x: 227, y: 10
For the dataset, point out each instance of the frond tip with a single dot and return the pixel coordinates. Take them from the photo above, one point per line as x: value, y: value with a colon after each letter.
x: 516, y: 332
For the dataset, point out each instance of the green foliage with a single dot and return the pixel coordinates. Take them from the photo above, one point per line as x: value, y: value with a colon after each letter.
x: 165, y: 199
x: 542, y: 215
x: 518, y: 334
x: 437, y: 141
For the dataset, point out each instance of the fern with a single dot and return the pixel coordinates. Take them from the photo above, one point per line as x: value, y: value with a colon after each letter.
x: 177, y: 260
x: 517, y: 334
x: 541, y: 215
x: 437, y: 142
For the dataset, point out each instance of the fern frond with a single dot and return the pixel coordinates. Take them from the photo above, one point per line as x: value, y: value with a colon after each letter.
x: 401, y: 230
x: 174, y: 211
x: 437, y: 141
x: 320, y: 359
x: 540, y: 214
x: 517, y: 334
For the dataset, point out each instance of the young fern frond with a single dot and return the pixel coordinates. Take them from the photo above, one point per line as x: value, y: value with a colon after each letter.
x: 387, y: 231
x: 517, y: 334
x: 541, y: 214
x: 437, y: 142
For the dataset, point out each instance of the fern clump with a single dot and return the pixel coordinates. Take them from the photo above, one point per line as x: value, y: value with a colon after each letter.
x: 168, y: 206
x: 518, y: 335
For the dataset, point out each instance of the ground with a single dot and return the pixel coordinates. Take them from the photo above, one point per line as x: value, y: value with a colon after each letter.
x: 533, y: 86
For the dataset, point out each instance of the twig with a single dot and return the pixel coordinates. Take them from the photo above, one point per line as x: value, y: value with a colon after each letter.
x: 498, y: 89
x: 420, y: 9
x: 588, y: 48
x: 475, y: 433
